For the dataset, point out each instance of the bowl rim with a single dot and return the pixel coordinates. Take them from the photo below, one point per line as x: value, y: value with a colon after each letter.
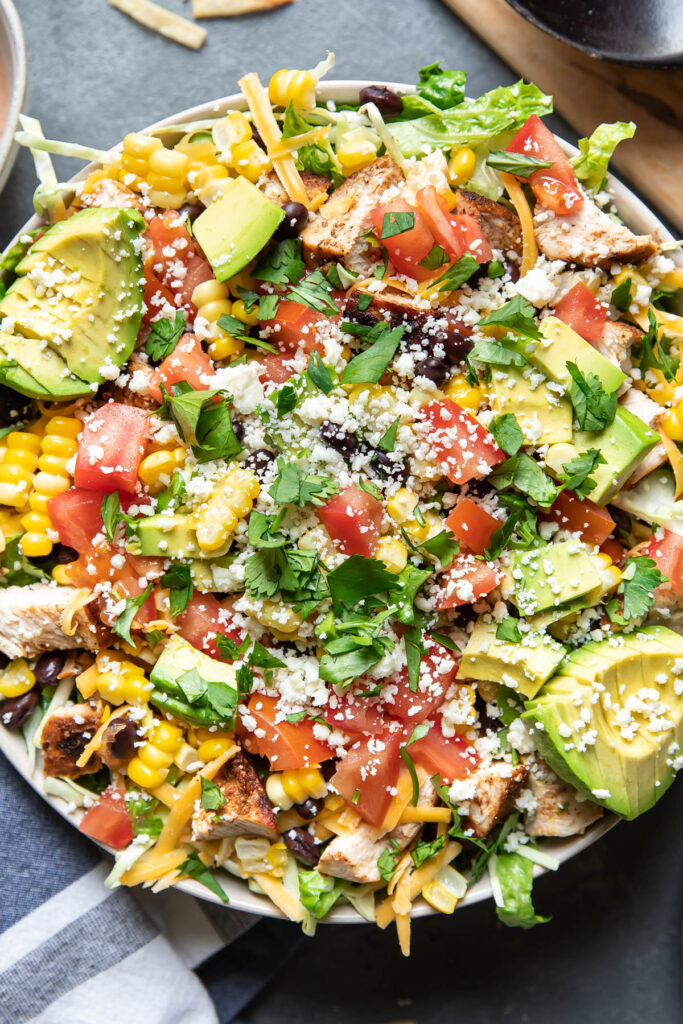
x: 16, y: 82
x: 641, y: 219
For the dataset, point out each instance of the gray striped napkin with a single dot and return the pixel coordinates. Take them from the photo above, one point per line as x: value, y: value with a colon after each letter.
x: 73, y: 952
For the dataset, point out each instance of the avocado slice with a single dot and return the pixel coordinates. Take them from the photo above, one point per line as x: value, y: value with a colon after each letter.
x: 611, y: 721
x: 236, y: 226
x: 81, y: 293
x: 550, y: 576
x: 33, y: 369
x: 170, y: 536
x: 177, y: 659
x: 523, y: 667
x: 561, y: 345
x: 623, y: 445
x: 543, y: 415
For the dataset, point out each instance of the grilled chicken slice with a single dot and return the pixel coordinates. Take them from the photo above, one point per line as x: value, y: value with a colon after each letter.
x: 559, y: 810
x: 65, y: 735
x: 496, y: 789
x: 315, y: 185
x: 589, y: 238
x: 108, y: 192
x: 247, y: 811
x: 32, y: 621
x: 499, y: 226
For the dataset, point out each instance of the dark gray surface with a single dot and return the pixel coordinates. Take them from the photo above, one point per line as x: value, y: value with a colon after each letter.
x: 611, y: 953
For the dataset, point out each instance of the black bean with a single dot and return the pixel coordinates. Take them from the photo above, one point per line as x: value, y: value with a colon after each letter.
x: 63, y: 555
x: 328, y: 768
x: 48, y: 667
x: 387, y: 469
x: 257, y: 138
x: 296, y: 218
x: 238, y: 429
x: 433, y: 369
x: 309, y: 808
x: 339, y: 439
x: 387, y: 102
x: 17, y: 710
x: 14, y: 408
x: 621, y: 518
x: 303, y: 845
x: 4, y: 660
x: 260, y: 461
x: 512, y: 269
x: 121, y: 737
x: 191, y: 211
x: 456, y: 345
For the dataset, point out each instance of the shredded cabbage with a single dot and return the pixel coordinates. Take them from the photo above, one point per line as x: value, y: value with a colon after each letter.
x: 68, y: 791
x: 125, y: 859
x: 362, y: 899
x: 596, y: 151
x: 511, y: 881
x: 652, y: 500
x: 546, y: 860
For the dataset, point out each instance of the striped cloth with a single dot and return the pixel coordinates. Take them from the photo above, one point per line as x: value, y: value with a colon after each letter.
x: 73, y: 952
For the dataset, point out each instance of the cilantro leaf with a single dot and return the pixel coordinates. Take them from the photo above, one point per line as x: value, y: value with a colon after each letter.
x: 621, y: 296
x: 314, y: 291
x: 595, y: 408
x: 495, y: 269
x: 194, y: 688
x: 358, y: 578
x: 396, y: 223
x: 319, y: 374
x: 414, y: 651
x: 443, y: 547
x: 193, y: 867
x: 496, y: 354
x: 508, y: 630
x: 368, y: 366
x: 267, y: 307
x: 424, y: 851
x: 283, y: 264
x: 639, y: 580
x: 519, y: 164
x: 294, y: 487
x: 240, y: 331
x: 387, y: 861
x: 388, y: 439
x: 164, y: 335
x: 507, y: 432
x: 435, y: 258
x: 211, y: 799
x: 577, y: 471
x: 525, y: 475
x: 178, y: 579
x: 370, y: 488
x: 111, y: 514
x: 344, y: 666
x: 202, y: 423
x: 457, y: 273
x: 654, y: 350
x: 517, y: 315
x: 125, y: 620
x: 17, y: 570
x: 287, y: 398
x: 173, y: 495
x: 263, y: 532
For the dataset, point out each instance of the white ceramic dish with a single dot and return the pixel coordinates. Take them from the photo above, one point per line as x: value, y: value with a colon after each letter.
x: 13, y: 72
x: 641, y: 220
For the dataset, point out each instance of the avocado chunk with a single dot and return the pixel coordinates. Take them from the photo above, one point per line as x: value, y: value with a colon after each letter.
x: 550, y: 576
x: 185, y: 674
x: 80, y: 293
x: 523, y: 667
x: 236, y: 226
x: 561, y: 345
x: 171, y: 536
x: 611, y: 721
x: 623, y: 445
x: 544, y: 416
x: 33, y: 369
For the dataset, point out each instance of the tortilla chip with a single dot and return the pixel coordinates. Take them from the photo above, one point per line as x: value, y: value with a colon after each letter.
x: 167, y: 24
x: 228, y: 8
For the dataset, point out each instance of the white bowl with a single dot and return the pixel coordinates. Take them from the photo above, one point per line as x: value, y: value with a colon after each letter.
x: 13, y: 72
x: 642, y: 221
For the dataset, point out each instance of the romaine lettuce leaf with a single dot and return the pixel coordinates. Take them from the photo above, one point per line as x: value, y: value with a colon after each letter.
x: 515, y: 878
x: 595, y: 152
x: 502, y: 109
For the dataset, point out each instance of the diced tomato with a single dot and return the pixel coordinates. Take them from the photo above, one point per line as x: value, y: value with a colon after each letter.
x: 456, y: 233
x: 580, y: 309
x: 108, y: 820
x: 356, y: 715
x: 188, y: 362
x: 668, y: 554
x: 276, y: 368
x: 581, y: 516
x: 472, y: 525
x: 465, y: 581
x: 464, y: 450
x: 203, y: 618
x: 110, y: 448
x: 353, y: 518
x: 614, y: 550
x: 451, y: 757
x: 437, y: 672
x: 287, y: 745
x: 556, y: 186
x: 75, y: 515
x: 294, y: 326
x: 158, y: 298
x: 176, y: 261
x: 409, y: 247
x: 368, y: 773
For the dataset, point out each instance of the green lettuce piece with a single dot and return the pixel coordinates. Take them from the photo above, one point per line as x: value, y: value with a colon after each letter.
x: 319, y: 894
x: 502, y: 109
x: 515, y: 877
x: 595, y: 152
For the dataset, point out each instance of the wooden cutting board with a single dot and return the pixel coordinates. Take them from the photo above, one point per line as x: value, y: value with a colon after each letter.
x: 588, y: 91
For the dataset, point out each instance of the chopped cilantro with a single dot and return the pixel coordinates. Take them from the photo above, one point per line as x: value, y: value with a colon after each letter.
x: 639, y: 580
x: 443, y: 546
x: 287, y: 398
x: 368, y: 366
x: 178, y: 579
x: 424, y: 851
x: 621, y: 295
x: 314, y: 291
x: 125, y: 620
x: 495, y: 269
x: 212, y: 798
x: 457, y: 273
x: 396, y: 223
x: 656, y: 351
x: 319, y: 374
x: 577, y: 471
x: 294, y: 487
x: 267, y: 306
x: 508, y: 630
x: 495, y: 353
x: 519, y: 164
x: 507, y: 432
x: 418, y: 733
x: 202, y: 423
x: 435, y: 258
x: 387, y: 861
x: 517, y: 315
x: 193, y: 867
x: 164, y: 335
x: 595, y: 408
x: 388, y: 439
x: 525, y: 475
x: 283, y: 264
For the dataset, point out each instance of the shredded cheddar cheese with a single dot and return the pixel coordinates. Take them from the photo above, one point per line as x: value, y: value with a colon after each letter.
x: 529, y: 247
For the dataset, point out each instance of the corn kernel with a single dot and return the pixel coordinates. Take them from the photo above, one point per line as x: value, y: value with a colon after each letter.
x: 225, y: 346
x: 401, y: 505
x: 144, y: 776
x: 250, y: 161
x: 463, y: 393
x: 214, y: 745
x: 16, y: 679
x: 672, y: 423
x: 277, y: 857
x: 355, y: 154
x: 285, y: 789
x: 393, y: 553
x: 36, y: 545
x: 297, y: 87
x: 461, y: 165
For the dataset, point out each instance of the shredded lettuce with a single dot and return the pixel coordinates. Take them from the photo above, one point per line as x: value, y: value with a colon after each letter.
x: 596, y: 151
x: 441, y: 88
x: 511, y: 882
x: 319, y: 894
x: 652, y: 500
x: 125, y: 859
x: 485, y: 180
x: 502, y: 109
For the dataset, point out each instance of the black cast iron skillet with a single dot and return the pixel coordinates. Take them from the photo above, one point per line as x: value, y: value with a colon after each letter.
x: 646, y: 33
